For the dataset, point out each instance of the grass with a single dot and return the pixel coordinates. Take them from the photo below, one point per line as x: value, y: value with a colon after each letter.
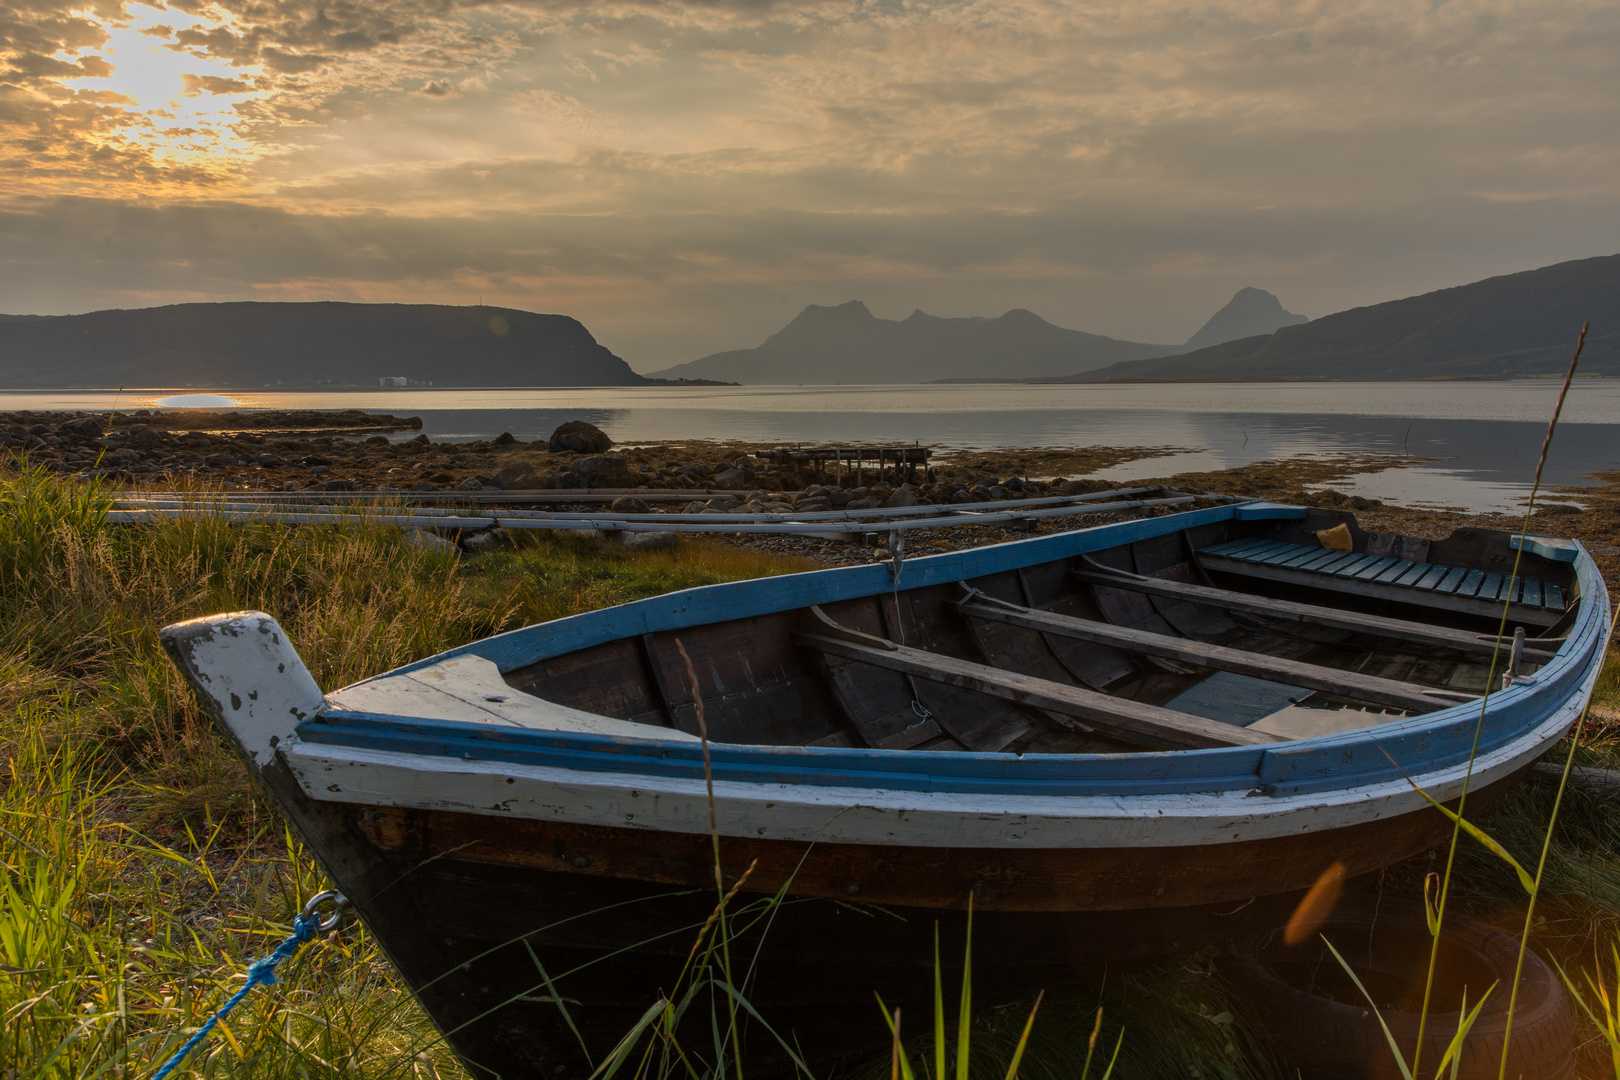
x: 142, y: 874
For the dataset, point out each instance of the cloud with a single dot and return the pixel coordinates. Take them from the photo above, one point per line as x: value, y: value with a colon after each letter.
x: 688, y: 158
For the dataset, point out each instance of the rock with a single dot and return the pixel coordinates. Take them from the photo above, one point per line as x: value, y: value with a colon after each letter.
x: 472, y: 483
x: 431, y: 541
x: 904, y: 497
x: 629, y: 504
x: 314, y: 459
x: 219, y: 461
x: 486, y: 540
x: 268, y: 461
x: 579, y: 437
x: 319, y: 470
x: 515, y: 476
x: 420, y: 440
x: 87, y: 427
x: 729, y: 480
x: 840, y: 498
x: 867, y: 503
x: 292, y: 485
x: 695, y: 507
x: 603, y: 470
x: 340, y: 485
x: 649, y: 541
x: 505, y: 438
x: 999, y: 492
x: 961, y: 497
x: 377, y: 440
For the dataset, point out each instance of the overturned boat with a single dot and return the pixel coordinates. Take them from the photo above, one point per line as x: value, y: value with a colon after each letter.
x: 1122, y: 740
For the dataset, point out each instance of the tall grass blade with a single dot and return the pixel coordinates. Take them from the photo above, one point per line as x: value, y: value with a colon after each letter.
x: 1465, y: 1024
x: 1479, y: 724
x: 621, y: 1053
x: 1023, y: 1038
x: 939, y: 1011
x: 1389, y: 1036
x: 964, y: 1016
x: 899, y: 1066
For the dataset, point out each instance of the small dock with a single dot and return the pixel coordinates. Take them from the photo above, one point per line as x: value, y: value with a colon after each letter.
x: 856, y: 459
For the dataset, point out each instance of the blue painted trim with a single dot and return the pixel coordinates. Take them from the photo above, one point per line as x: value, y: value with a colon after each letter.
x: 1419, y: 744
x: 1269, y: 511
x: 1564, y: 551
x: 762, y: 596
x: 895, y: 770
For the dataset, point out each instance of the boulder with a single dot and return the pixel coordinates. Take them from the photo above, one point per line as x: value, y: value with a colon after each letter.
x: 649, y: 541
x: 904, y: 497
x: 431, y: 541
x: 729, y: 479
x: 87, y: 427
x: 377, y: 440
x: 603, y: 470
x: 629, y: 504
x: 420, y: 440
x: 472, y: 483
x: 487, y: 540
x: 867, y: 503
x: 505, y: 438
x: 579, y: 437
x: 515, y: 476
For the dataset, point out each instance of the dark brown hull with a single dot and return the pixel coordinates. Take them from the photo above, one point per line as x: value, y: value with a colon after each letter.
x: 473, y: 907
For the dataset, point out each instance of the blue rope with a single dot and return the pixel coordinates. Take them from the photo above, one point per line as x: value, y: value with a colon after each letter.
x: 260, y: 972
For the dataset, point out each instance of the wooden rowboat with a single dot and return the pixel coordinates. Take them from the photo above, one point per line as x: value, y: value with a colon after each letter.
x: 1121, y: 740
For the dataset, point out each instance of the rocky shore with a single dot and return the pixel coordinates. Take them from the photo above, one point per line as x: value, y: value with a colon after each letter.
x: 311, y: 451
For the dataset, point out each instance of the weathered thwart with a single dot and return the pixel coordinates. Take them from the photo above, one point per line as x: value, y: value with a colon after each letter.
x: 1121, y: 740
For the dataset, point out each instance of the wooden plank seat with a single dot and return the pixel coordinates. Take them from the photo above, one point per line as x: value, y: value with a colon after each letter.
x: 1391, y: 692
x: 1403, y: 630
x: 1450, y: 588
x: 1123, y: 718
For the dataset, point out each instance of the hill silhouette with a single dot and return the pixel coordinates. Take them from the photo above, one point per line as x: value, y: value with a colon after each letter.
x: 1515, y: 325
x: 1252, y: 311
x: 848, y: 344
x: 301, y: 344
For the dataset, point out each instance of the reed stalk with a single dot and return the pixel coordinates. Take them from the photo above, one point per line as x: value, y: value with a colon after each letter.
x: 1437, y: 921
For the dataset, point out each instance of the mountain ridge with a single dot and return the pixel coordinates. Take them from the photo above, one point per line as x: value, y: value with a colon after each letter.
x: 253, y: 343
x: 846, y: 343
x: 1508, y: 326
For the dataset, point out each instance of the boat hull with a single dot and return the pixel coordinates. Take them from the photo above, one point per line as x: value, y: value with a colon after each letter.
x: 487, y: 919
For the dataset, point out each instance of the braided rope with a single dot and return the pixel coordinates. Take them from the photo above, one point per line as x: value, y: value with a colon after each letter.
x: 260, y: 973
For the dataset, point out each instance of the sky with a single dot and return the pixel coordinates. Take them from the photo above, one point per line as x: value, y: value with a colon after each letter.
x: 684, y: 177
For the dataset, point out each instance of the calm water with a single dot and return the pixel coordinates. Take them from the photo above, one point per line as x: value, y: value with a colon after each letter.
x: 1485, y: 437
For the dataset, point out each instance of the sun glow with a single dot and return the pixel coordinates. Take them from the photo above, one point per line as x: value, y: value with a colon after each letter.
x: 182, y: 104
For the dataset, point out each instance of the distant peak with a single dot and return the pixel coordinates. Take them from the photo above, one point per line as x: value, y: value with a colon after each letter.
x: 1250, y: 313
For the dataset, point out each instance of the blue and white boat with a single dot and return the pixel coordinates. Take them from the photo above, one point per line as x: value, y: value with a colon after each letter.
x: 1116, y: 741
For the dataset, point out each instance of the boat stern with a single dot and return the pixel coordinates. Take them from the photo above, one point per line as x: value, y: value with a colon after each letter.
x: 250, y: 677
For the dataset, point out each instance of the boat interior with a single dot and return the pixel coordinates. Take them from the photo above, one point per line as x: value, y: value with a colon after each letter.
x: 1224, y: 634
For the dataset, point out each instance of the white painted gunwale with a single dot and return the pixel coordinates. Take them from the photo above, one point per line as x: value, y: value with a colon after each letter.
x: 903, y: 818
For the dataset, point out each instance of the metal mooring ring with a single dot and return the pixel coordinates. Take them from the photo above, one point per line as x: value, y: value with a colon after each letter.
x: 339, y: 902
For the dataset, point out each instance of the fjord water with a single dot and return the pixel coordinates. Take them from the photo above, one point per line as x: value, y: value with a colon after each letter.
x: 1483, y: 438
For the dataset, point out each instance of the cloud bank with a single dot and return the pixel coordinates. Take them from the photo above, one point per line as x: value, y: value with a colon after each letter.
x: 682, y: 176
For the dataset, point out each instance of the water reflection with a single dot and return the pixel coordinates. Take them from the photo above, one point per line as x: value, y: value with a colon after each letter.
x: 1483, y: 438
x: 196, y: 401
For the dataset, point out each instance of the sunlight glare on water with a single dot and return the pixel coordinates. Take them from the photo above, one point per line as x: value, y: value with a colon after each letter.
x: 197, y: 401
